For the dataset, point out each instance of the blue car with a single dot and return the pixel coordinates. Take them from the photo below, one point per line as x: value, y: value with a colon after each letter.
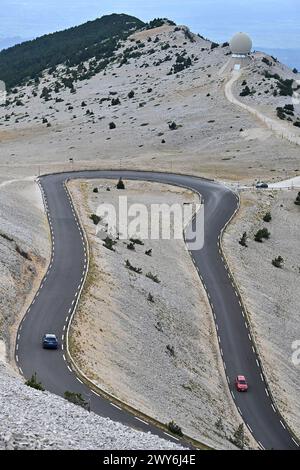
x: 50, y: 342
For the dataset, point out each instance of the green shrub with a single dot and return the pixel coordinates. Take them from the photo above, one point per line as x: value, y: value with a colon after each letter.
x: 129, y: 266
x: 148, y: 252
x: 112, y: 125
x: 131, y: 246
x: 95, y: 218
x: 239, y: 438
x: 297, y: 200
x: 33, y: 383
x: 109, y: 243
x: 173, y: 126
x: 278, y: 262
x: 175, y: 429
x: 150, y: 298
x: 243, y: 240
x: 137, y: 241
x: 262, y: 234
x: 95, y: 190
x: 76, y: 399
x: 120, y: 184
x: 267, y: 217
x: 153, y: 277
x: 115, y: 101
x: 246, y: 91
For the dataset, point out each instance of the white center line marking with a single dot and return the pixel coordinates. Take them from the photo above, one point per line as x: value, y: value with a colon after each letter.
x: 79, y: 380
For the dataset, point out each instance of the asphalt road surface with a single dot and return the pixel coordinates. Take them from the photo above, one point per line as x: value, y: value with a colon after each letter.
x: 53, y: 305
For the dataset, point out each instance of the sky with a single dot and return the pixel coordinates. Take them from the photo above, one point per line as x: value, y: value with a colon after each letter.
x: 271, y: 23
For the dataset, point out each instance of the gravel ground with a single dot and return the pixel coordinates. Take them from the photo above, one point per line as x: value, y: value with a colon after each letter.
x: 122, y: 341
x: 32, y: 420
x: 272, y: 295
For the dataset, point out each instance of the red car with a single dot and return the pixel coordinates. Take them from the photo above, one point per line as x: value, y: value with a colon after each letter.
x: 241, y: 383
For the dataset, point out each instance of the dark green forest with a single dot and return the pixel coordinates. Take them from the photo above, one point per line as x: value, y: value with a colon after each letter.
x: 98, y: 38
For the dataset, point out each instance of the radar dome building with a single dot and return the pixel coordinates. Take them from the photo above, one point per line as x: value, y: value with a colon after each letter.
x: 240, y: 45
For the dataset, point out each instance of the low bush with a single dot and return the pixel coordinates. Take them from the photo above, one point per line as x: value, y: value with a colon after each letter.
x: 278, y: 262
x: 76, y: 399
x: 243, y: 240
x: 120, y: 184
x: 262, y: 234
x: 95, y: 218
x: 129, y: 266
x: 33, y: 383
x: 153, y: 277
x: 175, y: 429
x: 267, y: 217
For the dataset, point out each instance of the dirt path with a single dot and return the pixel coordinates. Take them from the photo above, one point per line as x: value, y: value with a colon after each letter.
x: 278, y: 129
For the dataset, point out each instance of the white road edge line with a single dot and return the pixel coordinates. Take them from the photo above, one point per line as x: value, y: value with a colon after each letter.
x: 142, y: 421
x: 172, y: 437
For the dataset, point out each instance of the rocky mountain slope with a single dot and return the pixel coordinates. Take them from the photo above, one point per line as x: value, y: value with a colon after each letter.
x: 156, y: 103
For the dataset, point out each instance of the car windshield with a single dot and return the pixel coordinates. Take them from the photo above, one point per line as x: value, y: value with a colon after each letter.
x: 242, y: 382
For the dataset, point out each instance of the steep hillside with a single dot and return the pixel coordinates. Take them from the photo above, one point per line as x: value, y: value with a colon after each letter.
x: 97, y: 39
x: 158, y: 103
x: 33, y: 420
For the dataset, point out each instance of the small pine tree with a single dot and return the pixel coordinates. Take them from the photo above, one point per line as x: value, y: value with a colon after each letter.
x: 120, y: 184
x: 243, y: 240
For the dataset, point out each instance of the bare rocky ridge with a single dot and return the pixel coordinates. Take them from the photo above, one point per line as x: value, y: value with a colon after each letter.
x: 271, y: 294
x: 159, y: 355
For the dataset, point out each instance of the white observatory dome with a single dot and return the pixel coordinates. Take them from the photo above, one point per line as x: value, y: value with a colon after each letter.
x: 241, y: 44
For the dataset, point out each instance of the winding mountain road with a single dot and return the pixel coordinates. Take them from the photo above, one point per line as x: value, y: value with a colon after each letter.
x: 56, y: 299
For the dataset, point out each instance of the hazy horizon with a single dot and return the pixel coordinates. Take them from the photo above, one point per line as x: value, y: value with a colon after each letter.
x: 272, y: 24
